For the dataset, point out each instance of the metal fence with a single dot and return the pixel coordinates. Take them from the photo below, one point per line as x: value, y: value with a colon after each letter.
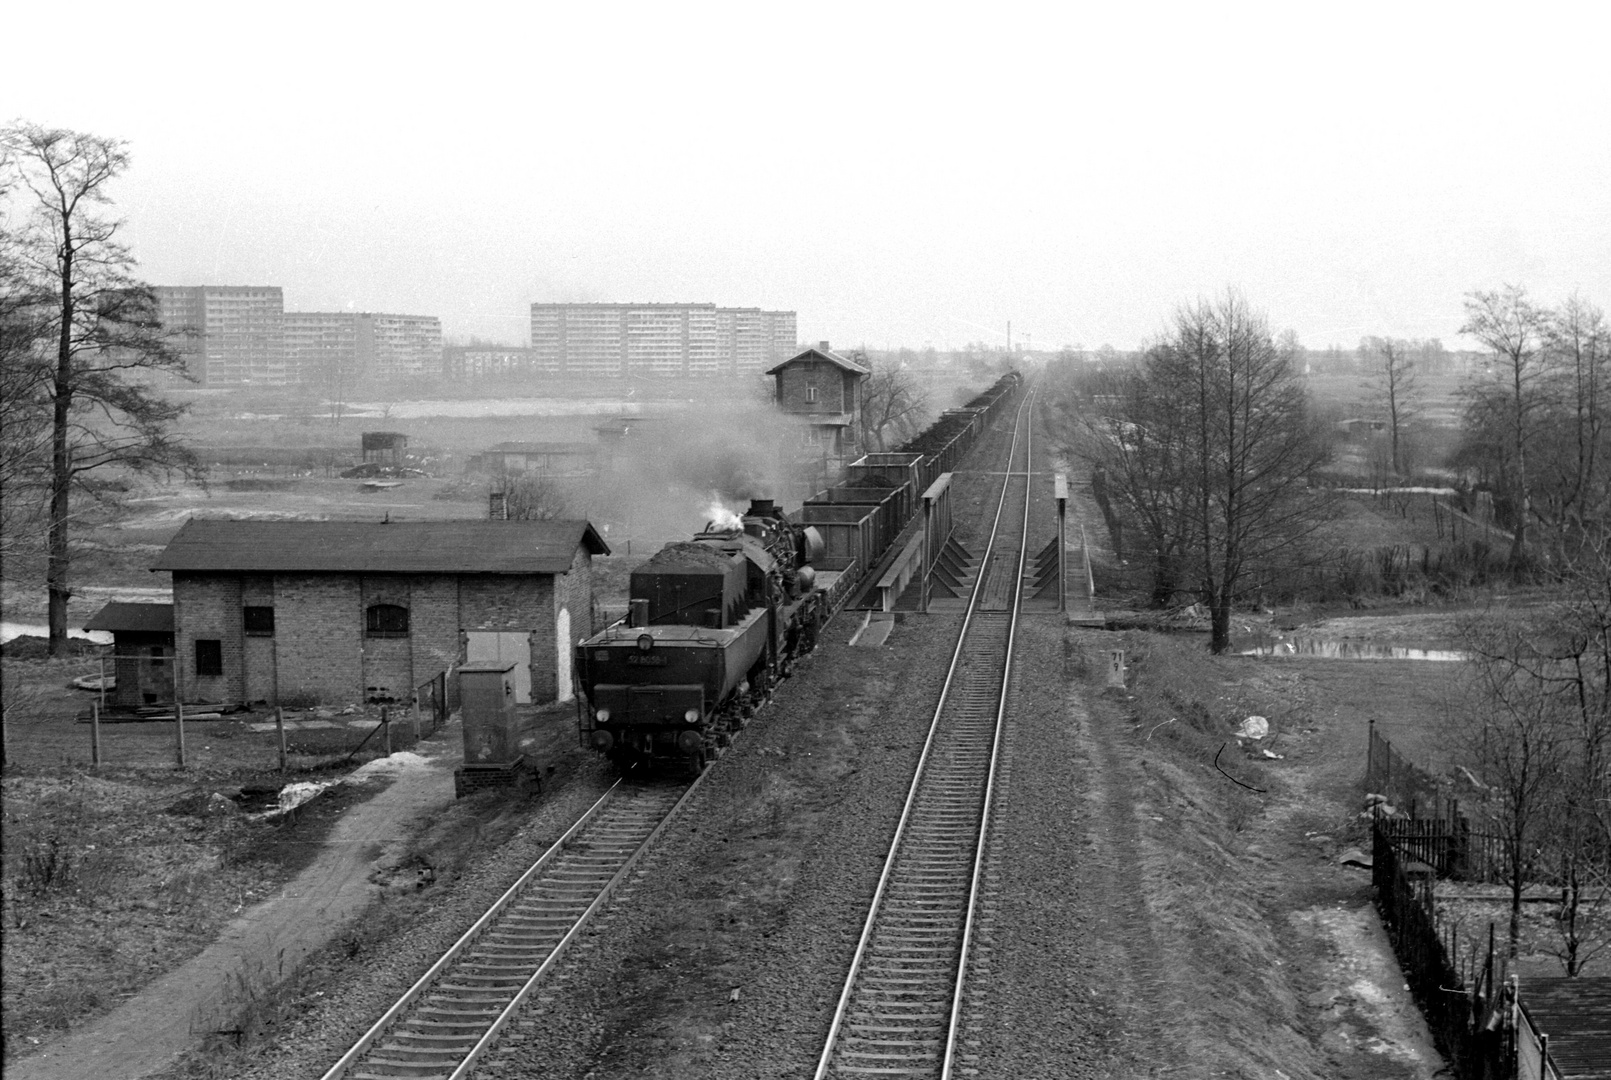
x: 1441, y: 831
x: 437, y: 699
x: 1532, y: 1050
x: 1406, y: 785
x: 1456, y: 1002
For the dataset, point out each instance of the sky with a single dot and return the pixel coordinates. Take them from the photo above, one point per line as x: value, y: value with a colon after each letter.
x: 898, y: 174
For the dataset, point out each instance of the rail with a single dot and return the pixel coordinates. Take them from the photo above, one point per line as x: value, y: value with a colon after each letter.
x: 833, y: 1043
x: 371, y: 1040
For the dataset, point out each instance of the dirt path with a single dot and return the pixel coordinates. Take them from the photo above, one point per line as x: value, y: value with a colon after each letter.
x: 266, y: 943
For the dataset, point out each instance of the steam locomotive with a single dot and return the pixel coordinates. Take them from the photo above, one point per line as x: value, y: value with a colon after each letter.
x: 714, y: 622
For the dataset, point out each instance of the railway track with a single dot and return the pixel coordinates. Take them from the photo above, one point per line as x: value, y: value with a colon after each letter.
x: 898, y: 1014
x: 454, y: 1013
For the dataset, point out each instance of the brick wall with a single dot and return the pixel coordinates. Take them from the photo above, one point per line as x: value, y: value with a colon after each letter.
x: 434, y: 624
x: 257, y: 652
x: 319, y: 626
x: 574, y: 590
x: 319, y: 649
x: 388, y: 663
x: 136, y: 672
x: 207, y: 607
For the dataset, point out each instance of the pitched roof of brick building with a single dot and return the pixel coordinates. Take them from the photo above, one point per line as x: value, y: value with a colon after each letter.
x: 820, y: 353
x: 372, y: 547
x: 121, y: 615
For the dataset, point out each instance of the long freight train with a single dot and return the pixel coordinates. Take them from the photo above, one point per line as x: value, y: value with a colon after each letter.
x: 714, y: 622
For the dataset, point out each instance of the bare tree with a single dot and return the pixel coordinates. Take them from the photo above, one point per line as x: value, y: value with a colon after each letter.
x: 1512, y: 327
x: 1570, y: 475
x: 1514, y: 734
x: 24, y: 404
x: 1395, y: 385
x: 530, y: 496
x: 1133, y: 433
x: 1205, y: 448
x: 894, y: 404
x: 106, y: 339
x: 1247, y: 417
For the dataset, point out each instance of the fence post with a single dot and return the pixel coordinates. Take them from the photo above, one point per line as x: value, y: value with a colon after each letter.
x: 95, y: 734
x: 279, y: 734
x: 386, y: 731
x: 179, y: 730
x: 102, y: 687
x: 416, y: 715
x: 1370, y: 752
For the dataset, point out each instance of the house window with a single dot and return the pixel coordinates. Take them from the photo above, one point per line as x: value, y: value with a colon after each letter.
x: 811, y: 393
x: 386, y: 620
x: 259, y: 621
x: 209, y: 656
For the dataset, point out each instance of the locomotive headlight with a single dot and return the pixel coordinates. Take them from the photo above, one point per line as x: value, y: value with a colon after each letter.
x: 692, y: 716
x: 602, y: 716
x: 645, y: 642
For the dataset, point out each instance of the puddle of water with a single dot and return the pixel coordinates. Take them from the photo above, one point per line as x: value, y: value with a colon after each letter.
x: 1330, y: 649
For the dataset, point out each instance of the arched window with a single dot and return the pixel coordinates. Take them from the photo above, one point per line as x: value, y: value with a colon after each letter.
x: 386, y: 620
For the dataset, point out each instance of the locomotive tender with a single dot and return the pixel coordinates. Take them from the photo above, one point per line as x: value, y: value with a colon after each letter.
x: 714, y: 622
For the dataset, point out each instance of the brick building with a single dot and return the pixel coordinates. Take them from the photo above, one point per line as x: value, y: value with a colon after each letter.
x: 343, y: 611
x: 824, y: 389
x: 142, y: 651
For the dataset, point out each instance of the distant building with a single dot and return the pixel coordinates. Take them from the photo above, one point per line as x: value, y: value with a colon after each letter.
x: 228, y: 335
x: 612, y: 341
x: 326, y: 346
x: 548, y: 458
x: 239, y: 335
x: 823, y: 388
x: 468, y: 362
x: 384, y: 448
x: 346, y: 611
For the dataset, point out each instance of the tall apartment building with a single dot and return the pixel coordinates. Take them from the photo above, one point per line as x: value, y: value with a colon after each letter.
x: 348, y: 345
x: 658, y: 340
x: 227, y: 334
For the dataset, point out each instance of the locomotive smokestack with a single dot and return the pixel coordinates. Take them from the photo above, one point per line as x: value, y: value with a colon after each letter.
x: 763, y: 508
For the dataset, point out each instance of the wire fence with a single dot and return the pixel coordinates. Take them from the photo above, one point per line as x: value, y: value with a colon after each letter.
x: 53, y: 715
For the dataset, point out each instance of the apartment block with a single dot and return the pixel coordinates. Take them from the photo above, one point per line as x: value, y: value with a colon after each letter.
x: 326, y: 346
x: 227, y: 334
x: 658, y: 340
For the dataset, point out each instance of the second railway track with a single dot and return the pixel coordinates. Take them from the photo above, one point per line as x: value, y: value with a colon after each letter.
x: 898, y: 1012
x: 450, y: 1017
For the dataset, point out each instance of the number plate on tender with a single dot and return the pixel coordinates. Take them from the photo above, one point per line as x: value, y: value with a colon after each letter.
x: 645, y: 660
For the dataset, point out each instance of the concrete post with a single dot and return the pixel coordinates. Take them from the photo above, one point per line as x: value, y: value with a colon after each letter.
x: 1060, y: 490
